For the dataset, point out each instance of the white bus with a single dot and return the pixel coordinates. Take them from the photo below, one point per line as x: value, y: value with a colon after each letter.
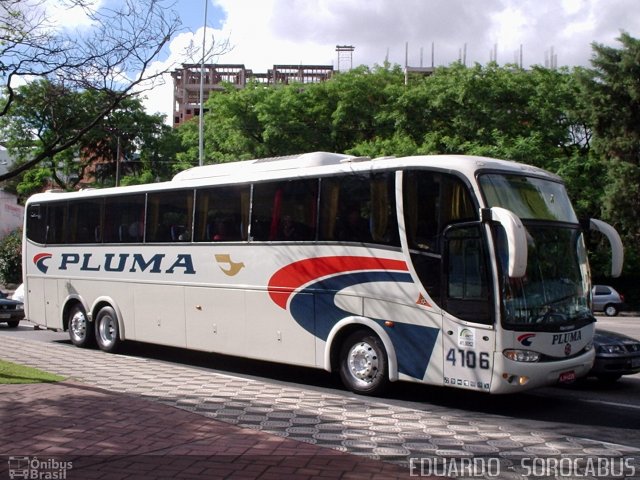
x: 446, y: 270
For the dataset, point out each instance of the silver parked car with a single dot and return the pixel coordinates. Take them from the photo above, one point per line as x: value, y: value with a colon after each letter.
x: 606, y: 299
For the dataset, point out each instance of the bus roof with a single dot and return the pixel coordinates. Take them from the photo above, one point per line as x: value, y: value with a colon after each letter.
x: 327, y: 162
x: 308, y: 164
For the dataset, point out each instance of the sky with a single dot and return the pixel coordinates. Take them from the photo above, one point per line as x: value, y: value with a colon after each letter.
x: 261, y: 33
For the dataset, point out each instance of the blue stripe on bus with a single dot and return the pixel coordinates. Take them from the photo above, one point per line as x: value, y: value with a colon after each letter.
x: 315, y: 310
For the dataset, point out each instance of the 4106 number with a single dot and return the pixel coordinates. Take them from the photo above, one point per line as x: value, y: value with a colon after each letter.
x: 468, y: 358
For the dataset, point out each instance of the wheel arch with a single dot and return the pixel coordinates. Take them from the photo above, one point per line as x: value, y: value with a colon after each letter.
x: 105, y: 301
x: 69, y: 303
x: 344, y: 328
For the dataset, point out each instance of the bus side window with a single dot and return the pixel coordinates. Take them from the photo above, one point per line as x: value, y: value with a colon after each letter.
x: 124, y: 219
x: 85, y: 221
x: 37, y: 223
x: 284, y: 211
x: 169, y: 216
x: 222, y: 214
x: 56, y: 223
x: 359, y: 208
x: 467, y: 294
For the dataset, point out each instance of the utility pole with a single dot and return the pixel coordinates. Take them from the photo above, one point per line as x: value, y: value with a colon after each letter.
x: 118, y: 153
x: 201, y: 116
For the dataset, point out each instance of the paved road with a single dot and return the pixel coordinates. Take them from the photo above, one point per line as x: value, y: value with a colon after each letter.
x: 412, y: 422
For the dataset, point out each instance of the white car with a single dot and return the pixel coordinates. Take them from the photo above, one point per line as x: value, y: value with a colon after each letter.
x: 19, y: 293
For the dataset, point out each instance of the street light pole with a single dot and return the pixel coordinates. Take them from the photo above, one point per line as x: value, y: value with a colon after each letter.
x: 118, y: 153
x: 201, y: 116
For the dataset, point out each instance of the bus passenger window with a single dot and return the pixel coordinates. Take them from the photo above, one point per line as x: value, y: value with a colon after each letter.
x: 222, y: 214
x: 37, y: 223
x: 285, y: 211
x: 169, y: 216
x: 359, y: 208
x: 85, y: 221
x: 56, y: 223
x: 124, y: 219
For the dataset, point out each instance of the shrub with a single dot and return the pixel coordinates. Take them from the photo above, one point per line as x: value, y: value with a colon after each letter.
x: 11, y: 258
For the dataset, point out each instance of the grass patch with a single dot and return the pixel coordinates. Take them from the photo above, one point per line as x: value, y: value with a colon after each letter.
x: 14, y: 373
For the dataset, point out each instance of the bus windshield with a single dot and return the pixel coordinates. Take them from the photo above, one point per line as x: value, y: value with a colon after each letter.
x: 555, y: 289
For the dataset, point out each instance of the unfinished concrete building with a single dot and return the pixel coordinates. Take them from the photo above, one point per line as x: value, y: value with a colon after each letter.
x: 216, y: 77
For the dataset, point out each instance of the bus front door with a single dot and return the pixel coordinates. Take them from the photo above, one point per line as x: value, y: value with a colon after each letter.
x: 467, y: 321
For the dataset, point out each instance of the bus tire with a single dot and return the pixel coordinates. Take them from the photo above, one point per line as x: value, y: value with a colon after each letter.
x: 107, y: 330
x: 81, y: 331
x: 364, y: 367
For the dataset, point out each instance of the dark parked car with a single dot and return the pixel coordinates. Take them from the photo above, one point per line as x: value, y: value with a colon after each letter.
x: 11, y: 311
x: 616, y: 355
x: 606, y: 299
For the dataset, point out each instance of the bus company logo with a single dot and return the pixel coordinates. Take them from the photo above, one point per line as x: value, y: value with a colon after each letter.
x: 562, y: 338
x: 526, y: 339
x: 228, y: 266
x: 567, y: 349
x: 40, y: 260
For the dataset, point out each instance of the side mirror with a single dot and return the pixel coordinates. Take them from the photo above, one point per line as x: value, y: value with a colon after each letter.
x: 617, y: 249
x: 516, y: 240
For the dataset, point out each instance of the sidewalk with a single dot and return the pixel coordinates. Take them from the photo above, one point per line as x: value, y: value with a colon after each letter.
x: 86, y: 432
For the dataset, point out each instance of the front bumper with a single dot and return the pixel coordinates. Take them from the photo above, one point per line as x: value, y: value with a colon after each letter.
x: 506, y: 372
x: 611, y: 364
x: 10, y: 315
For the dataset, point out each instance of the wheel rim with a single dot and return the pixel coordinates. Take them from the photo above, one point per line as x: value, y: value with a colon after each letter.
x: 610, y: 311
x: 363, y: 363
x: 78, y: 326
x: 107, y: 330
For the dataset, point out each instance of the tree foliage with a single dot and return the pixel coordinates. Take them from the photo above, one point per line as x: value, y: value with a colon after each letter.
x: 582, y: 124
x: 613, y: 89
x: 98, y: 60
x: 11, y: 258
x: 43, y: 111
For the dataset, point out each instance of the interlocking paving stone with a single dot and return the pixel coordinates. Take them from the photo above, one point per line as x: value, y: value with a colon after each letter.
x: 360, y: 426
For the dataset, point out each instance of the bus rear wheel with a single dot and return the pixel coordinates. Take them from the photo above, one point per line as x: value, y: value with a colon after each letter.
x: 363, y: 363
x: 81, y: 332
x: 107, y: 330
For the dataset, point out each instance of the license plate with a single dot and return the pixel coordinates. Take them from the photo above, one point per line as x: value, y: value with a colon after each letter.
x: 5, y: 315
x: 567, y: 377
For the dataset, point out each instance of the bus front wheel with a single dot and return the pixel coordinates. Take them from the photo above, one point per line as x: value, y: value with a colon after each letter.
x: 363, y: 363
x: 81, y: 332
x: 107, y: 331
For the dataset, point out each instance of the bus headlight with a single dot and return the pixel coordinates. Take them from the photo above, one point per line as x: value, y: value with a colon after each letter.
x: 522, y: 355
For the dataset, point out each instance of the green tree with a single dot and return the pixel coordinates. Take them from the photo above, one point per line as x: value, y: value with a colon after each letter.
x: 111, y: 58
x: 44, y: 111
x: 11, y: 258
x: 613, y: 87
